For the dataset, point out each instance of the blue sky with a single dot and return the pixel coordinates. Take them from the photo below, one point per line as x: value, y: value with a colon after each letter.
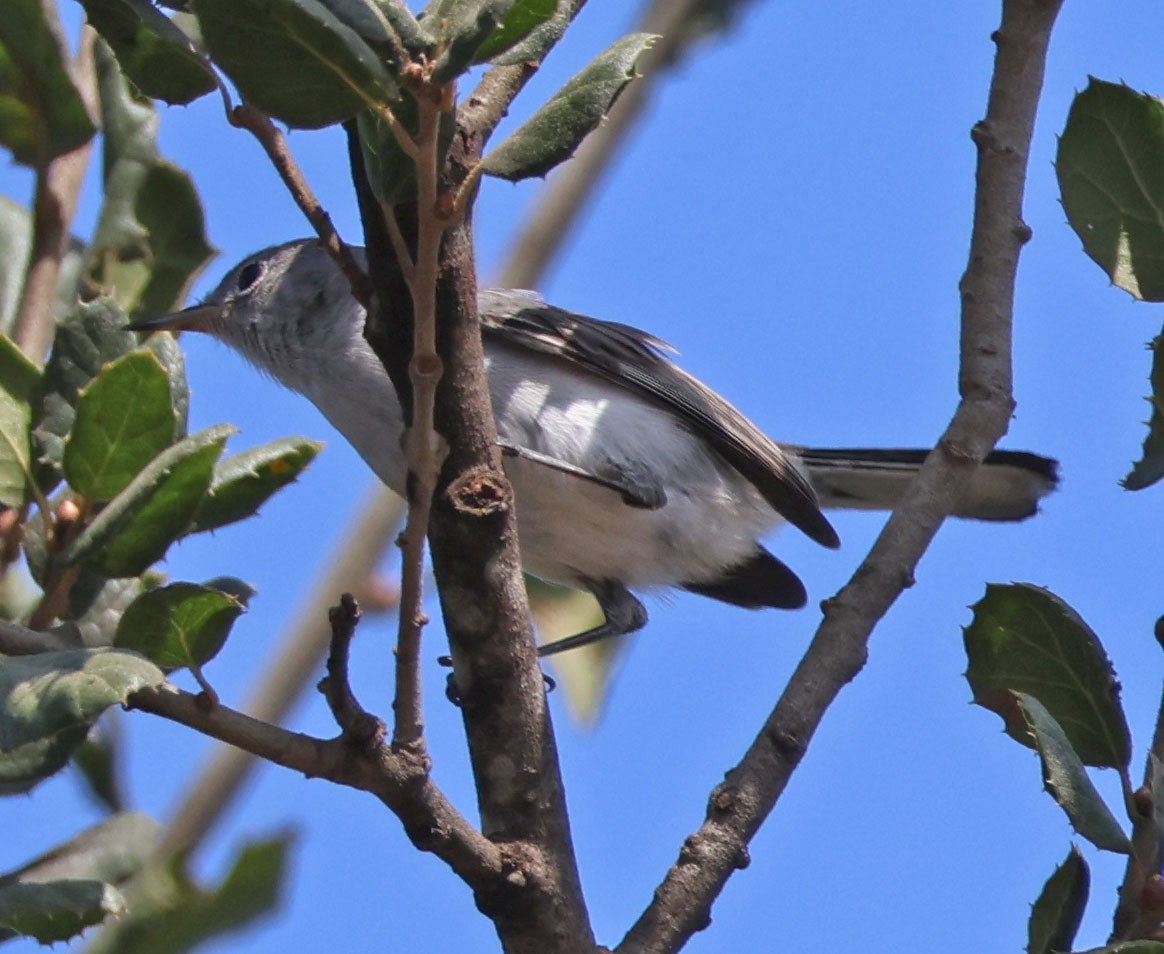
x: 793, y: 215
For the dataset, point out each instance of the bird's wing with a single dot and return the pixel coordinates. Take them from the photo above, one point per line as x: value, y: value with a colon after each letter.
x: 631, y: 359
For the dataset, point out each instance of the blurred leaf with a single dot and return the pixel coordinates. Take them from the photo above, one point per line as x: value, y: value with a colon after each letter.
x: 96, y: 761
x: 370, y: 20
x: 181, y: 625
x: 86, y: 340
x: 56, y: 911
x: 113, y: 851
x: 465, y: 26
x: 171, y: 915
x: 124, y: 420
x: 584, y: 674
x: 96, y: 604
x: 15, y: 245
x: 1111, y: 178
x: 19, y: 378
x: 244, y: 482
x: 294, y: 59
x: 42, y: 115
x: 406, y: 27
x: 153, y: 51
x: 1026, y: 639
x: 26, y: 766
x: 166, y: 350
x: 551, y: 135
x: 48, y: 694
x: 1150, y: 468
x: 1066, y: 780
x: 137, y: 527
x: 523, y: 18
x: 150, y: 241
x: 1055, y: 916
x: 1128, y: 947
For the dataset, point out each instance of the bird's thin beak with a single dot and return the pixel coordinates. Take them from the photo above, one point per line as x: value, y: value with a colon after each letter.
x: 198, y: 318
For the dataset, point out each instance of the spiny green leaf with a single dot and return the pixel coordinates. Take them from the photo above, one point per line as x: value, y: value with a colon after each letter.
x: 551, y: 135
x: 91, y: 336
x: 56, y: 911
x: 137, y: 527
x: 48, y: 694
x: 1150, y: 467
x: 295, y: 59
x: 244, y: 482
x: 1055, y: 916
x: 124, y: 420
x: 1026, y: 639
x: 1111, y: 177
x: 1067, y: 781
x: 42, y: 115
x: 19, y: 378
x: 153, y: 51
x: 182, y: 624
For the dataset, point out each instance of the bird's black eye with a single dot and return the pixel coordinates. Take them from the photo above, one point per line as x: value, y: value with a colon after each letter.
x: 249, y: 275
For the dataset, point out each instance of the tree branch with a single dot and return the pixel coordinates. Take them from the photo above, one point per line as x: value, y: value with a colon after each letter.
x: 681, y: 905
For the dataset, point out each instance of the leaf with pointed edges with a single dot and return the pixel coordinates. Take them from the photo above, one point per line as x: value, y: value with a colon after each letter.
x: 150, y: 242
x: 1067, y: 781
x: 523, y: 18
x: 246, y: 481
x: 1056, y: 914
x: 138, y: 526
x: 295, y: 59
x: 465, y: 27
x: 19, y: 378
x: 152, y: 50
x: 183, y: 624
x: 176, y: 915
x: 56, y: 911
x: 124, y: 420
x: 113, y: 850
x: 90, y: 337
x: 49, y: 694
x: 551, y: 135
x: 42, y: 115
x: 1026, y: 639
x: 1111, y: 178
x: 1150, y: 468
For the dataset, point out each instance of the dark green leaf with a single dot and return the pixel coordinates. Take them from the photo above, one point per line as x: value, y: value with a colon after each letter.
x: 91, y: 336
x: 1055, y: 916
x: 41, y: 112
x: 152, y: 50
x: 551, y: 135
x: 56, y: 911
x: 137, y: 527
x: 294, y: 59
x: 465, y: 26
x: 1150, y: 468
x: 124, y: 420
x: 390, y: 171
x: 1128, y: 947
x: 176, y: 915
x: 48, y: 694
x: 180, y: 625
x: 1066, y: 779
x: 1026, y: 639
x: 523, y: 18
x: 1111, y: 177
x: 19, y: 378
x: 244, y: 482
x: 541, y: 38
x: 368, y: 20
x: 405, y: 26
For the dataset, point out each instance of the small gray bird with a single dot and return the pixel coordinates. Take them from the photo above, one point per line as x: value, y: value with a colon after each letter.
x: 628, y: 473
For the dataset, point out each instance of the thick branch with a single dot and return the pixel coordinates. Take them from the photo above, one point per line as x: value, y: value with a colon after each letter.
x: 681, y: 905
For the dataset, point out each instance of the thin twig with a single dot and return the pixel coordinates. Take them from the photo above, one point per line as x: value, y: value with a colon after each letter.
x: 681, y: 904
x: 296, y: 664
x: 274, y: 143
x: 58, y: 189
x: 359, y: 727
